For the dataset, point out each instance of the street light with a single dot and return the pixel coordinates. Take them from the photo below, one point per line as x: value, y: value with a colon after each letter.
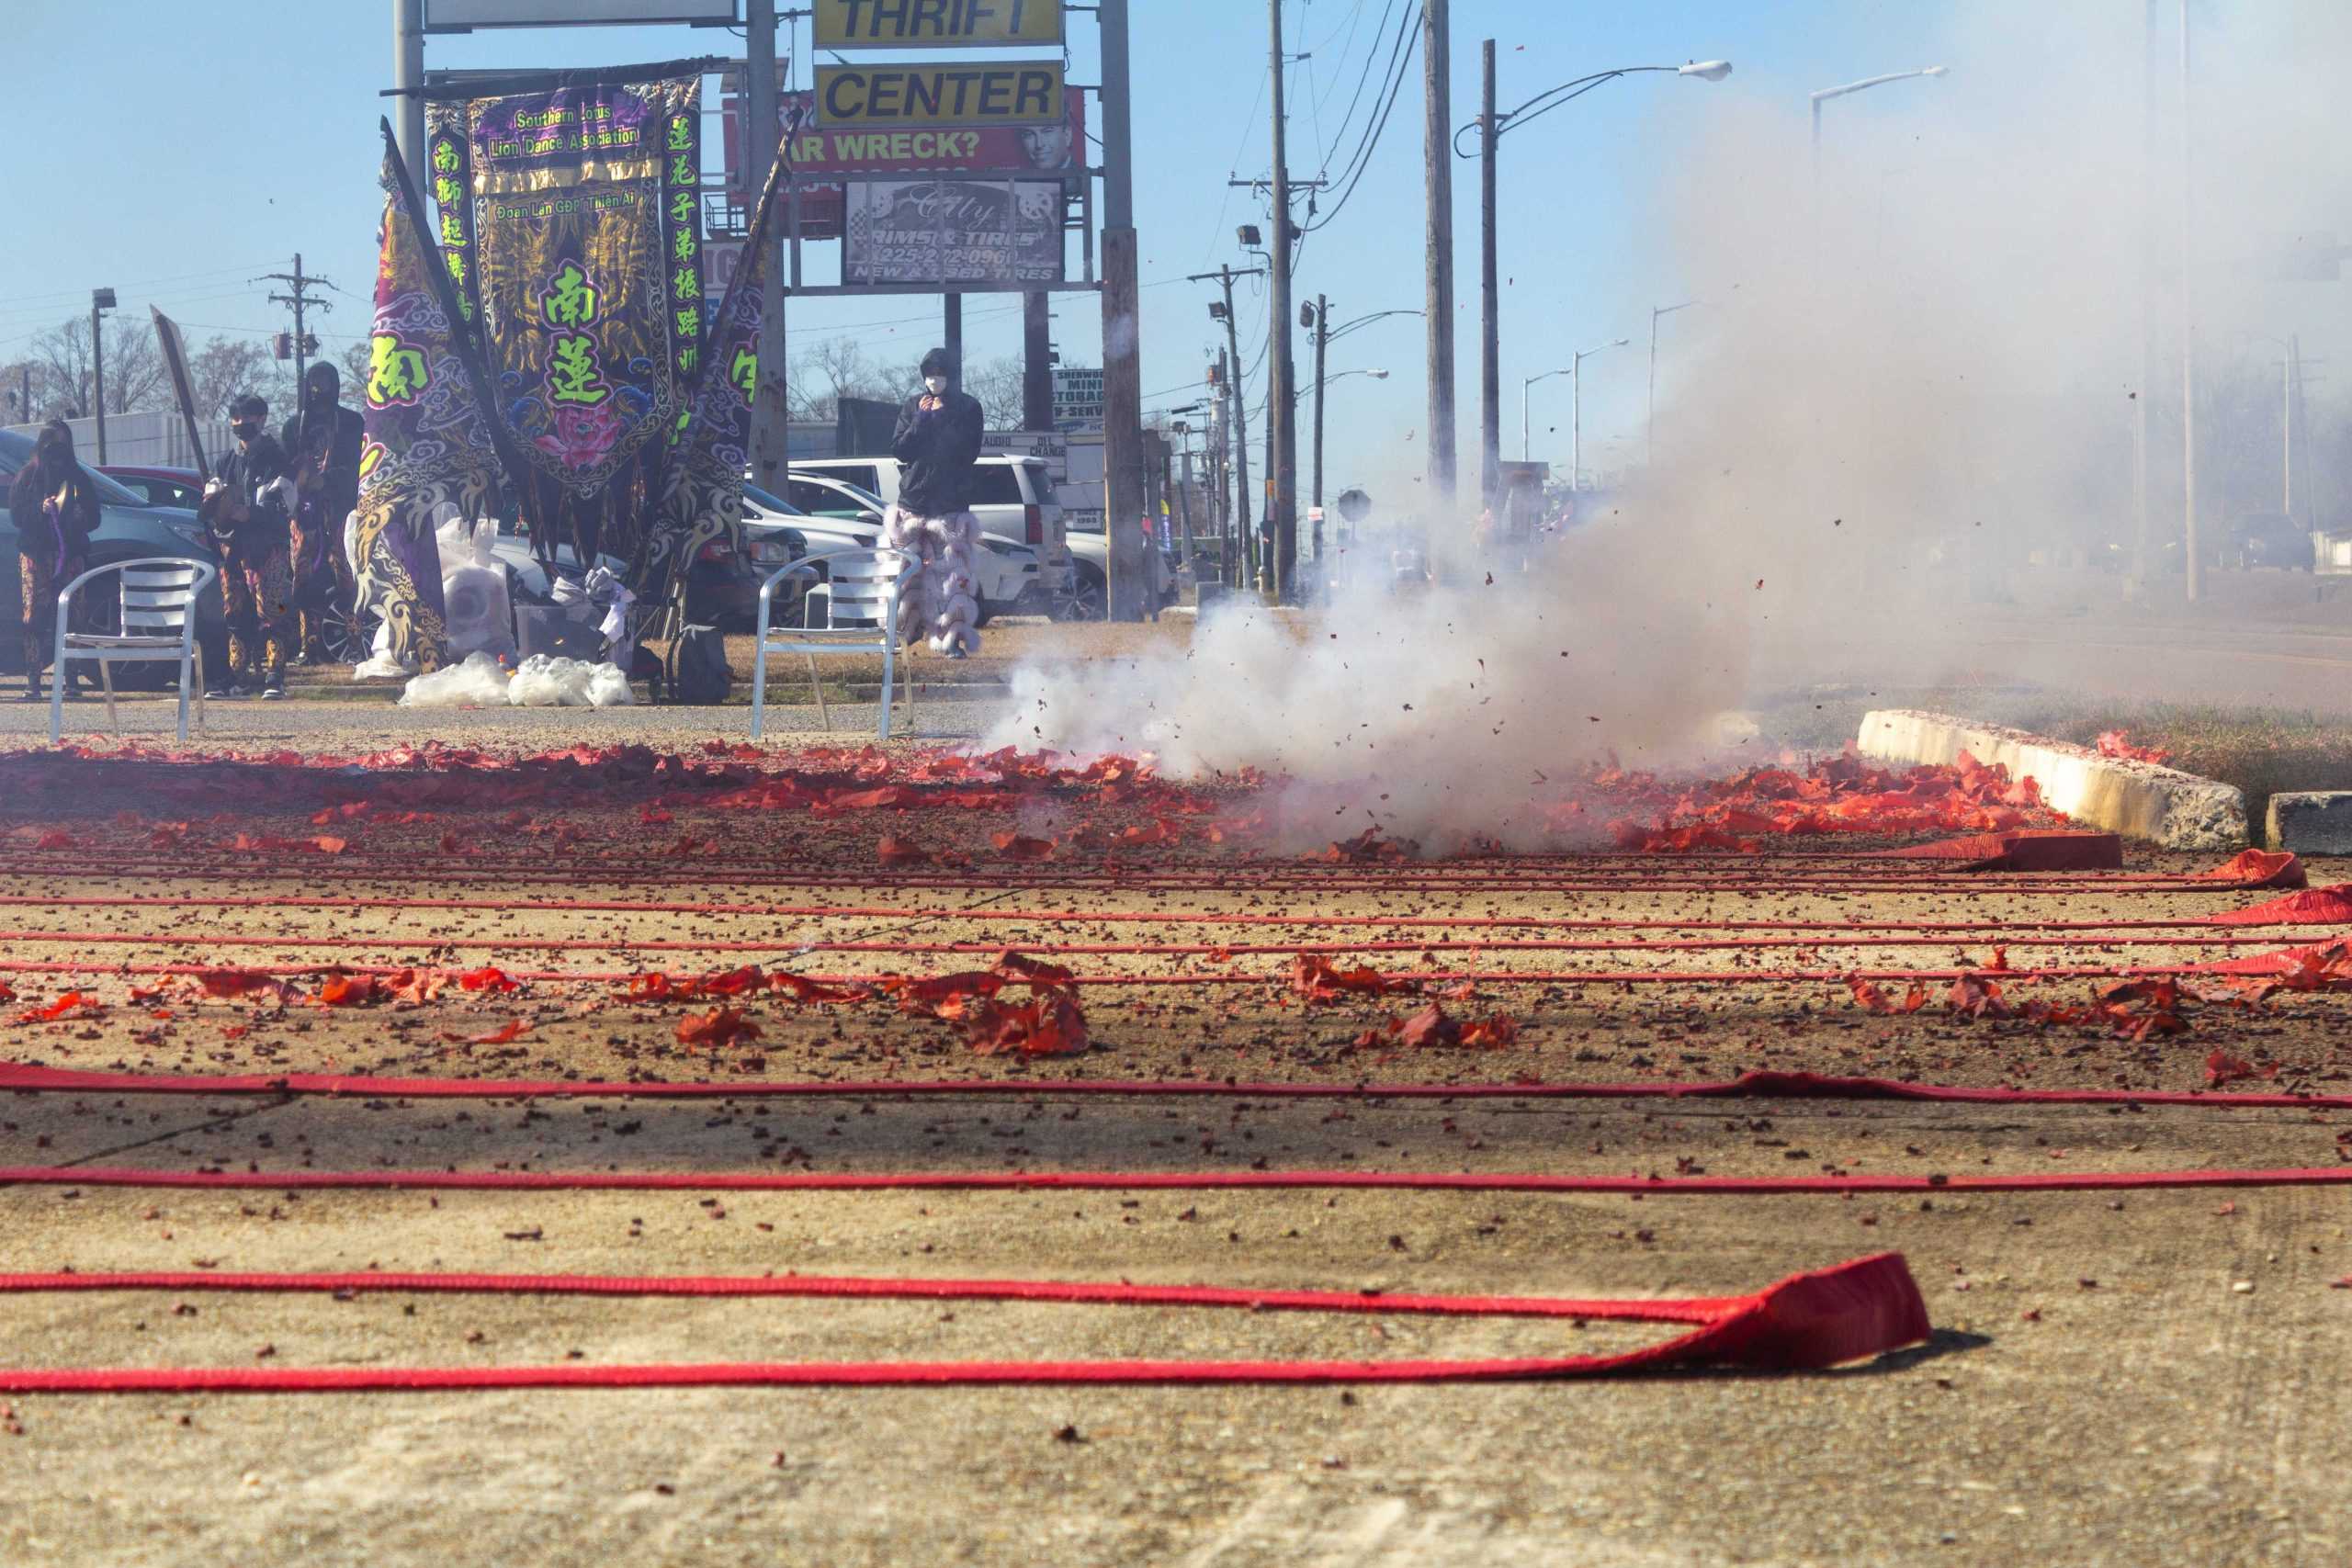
x: 1576, y: 409
x: 1490, y: 126
x: 1346, y: 327
x: 1649, y: 433
x: 1526, y: 449
x: 1826, y: 93
x: 100, y: 299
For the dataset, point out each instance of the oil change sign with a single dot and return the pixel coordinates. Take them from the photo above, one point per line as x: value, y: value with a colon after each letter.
x: 876, y: 97
x: 936, y: 24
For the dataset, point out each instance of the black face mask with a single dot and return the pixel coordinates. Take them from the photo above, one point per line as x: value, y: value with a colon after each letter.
x: 246, y: 429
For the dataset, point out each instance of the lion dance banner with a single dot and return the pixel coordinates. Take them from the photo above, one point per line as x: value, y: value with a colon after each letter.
x: 428, y: 447
x: 570, y: 225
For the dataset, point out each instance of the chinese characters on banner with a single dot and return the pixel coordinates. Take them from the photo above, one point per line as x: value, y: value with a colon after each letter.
x: 953, y: 232
x: 568, y: 219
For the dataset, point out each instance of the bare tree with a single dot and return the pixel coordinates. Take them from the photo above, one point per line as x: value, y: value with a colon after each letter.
x: 358, y: 364
x: 225, y: 367
x: 997, y: 384
x: 135, y: 377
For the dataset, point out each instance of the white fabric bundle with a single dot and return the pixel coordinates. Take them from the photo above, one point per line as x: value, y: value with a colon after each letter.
x: 541, y: 682
x: 941, y: 600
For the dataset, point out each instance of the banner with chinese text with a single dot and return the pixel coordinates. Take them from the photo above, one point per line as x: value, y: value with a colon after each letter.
x: 578, y: 207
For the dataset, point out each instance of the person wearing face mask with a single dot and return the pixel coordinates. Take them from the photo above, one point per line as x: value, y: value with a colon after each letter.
x: 55, y: 513
x: 247, y: 507
x: 322, y: 442
x: 936, y: 442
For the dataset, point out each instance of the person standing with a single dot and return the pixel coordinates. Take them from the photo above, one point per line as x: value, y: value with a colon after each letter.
x: 936, y: 443
x: 248, y: 506
x: 323, y: 443
x: 55, y: 512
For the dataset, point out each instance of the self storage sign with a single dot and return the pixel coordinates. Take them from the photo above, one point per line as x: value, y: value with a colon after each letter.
x: 875, y: 97
x: 937, y: 24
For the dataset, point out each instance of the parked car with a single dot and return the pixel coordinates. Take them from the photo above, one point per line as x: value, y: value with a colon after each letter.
x: 159, y: 487
x: 722, y: 589
x: 1010, y: 578
x: 1014, y: 498
x: 822, y: 495
x: 128, y: 528
x: 2270, y: 540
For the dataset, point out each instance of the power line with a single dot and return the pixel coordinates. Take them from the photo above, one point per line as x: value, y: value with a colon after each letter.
x: 1402, y: 60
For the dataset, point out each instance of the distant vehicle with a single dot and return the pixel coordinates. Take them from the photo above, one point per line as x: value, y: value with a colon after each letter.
x: 1011, y: 576
x: 822, y: 495
x: 2269, y: 539
x: 159, y: 487
x: 128, y: 528
x: 1012, y: 497
x: 722, y: 588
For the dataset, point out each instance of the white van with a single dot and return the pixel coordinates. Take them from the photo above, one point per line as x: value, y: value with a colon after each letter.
x: 1012, y: 498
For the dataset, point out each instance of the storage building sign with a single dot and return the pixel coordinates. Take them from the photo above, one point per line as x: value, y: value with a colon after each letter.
x: 878, y: 97
x: 937, y: 24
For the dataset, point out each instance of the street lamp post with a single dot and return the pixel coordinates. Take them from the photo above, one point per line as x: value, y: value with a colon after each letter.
x: 1490, y: 125
x: 100, y: 299
x: 1322, y: 341
x: 1650, y: 431
x: 1576, y: 409
x: 1826, y: 93
x: 1526, y: 446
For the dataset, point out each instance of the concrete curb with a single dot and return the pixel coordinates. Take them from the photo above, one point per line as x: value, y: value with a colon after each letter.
x: 2173, y: 809
x: 2311, y: 822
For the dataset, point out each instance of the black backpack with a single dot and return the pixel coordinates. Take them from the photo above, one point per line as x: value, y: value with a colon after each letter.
x: 698, y: 674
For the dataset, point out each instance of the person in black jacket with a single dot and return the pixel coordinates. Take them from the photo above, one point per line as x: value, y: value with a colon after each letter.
x: 936, y: 443
x: 323, y: 443
x: 55, y: 513
x: 247, y: 508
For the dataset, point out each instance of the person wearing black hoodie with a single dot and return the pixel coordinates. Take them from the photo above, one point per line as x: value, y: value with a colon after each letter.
x: 245, y: 507
x: 323, y: 443
x: 936, y: 443
x: 55, y: 513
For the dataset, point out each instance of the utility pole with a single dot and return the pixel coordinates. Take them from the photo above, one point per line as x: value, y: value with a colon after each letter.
x: 1248, y: 552
x: 1436, y: 176
x: 1220, y: 451
x: 2143, y: 448
x: 1490, y: 373
x: 2195, y: 581
x: 1036, y: 363
x: 1281, y: 401
x: 301, y: 302
x: 952, y: 330
x: 770, y: 444
x: 1322, y: 341
x: 1122, y: 327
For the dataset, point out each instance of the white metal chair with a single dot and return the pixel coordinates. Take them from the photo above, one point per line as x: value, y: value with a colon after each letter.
x: 158, y: 601
x: 860, y: 596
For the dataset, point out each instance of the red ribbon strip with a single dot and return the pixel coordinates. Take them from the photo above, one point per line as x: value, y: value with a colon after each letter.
x: 1808, y: 1321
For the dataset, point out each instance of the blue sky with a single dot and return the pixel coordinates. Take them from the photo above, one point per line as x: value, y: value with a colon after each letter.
x: 205, y: 144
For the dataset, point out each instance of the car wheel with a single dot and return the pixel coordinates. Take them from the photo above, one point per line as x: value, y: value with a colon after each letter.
x: 349, y: 635
x: 986, y: 613
x: 1088, y: 599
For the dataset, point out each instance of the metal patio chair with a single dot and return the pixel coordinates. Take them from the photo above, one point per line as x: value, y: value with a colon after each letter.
x: 860, y: 596
x: 158, y: 602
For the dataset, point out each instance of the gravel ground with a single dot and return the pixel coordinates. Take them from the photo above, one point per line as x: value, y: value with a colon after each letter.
x: 2138, y: 1379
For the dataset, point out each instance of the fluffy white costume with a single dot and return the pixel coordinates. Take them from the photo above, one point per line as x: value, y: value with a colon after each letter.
x: 941, y: 602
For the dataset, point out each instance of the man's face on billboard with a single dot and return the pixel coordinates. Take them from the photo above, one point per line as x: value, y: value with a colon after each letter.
x: 1047, y: 146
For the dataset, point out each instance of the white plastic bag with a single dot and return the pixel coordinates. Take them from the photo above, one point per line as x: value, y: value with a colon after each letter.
x: 544, y: 682
x: 478, y: 683
x: 379, y: 663
x: 475, y: 610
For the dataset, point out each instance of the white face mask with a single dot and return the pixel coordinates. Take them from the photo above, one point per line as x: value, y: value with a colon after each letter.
x: 938, y: 384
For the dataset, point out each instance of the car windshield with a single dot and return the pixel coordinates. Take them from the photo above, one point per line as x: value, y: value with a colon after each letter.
x: 858, y: 494
x: 17, y: 450
x: 767, y: 502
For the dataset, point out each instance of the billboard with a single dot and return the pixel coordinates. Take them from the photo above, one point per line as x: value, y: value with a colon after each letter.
x: 958, y: 232
x: 1050, y: 150
x: 905, y: 97
x: 953, y: 24
x: 461, y: 16
x: 1078, y: 400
